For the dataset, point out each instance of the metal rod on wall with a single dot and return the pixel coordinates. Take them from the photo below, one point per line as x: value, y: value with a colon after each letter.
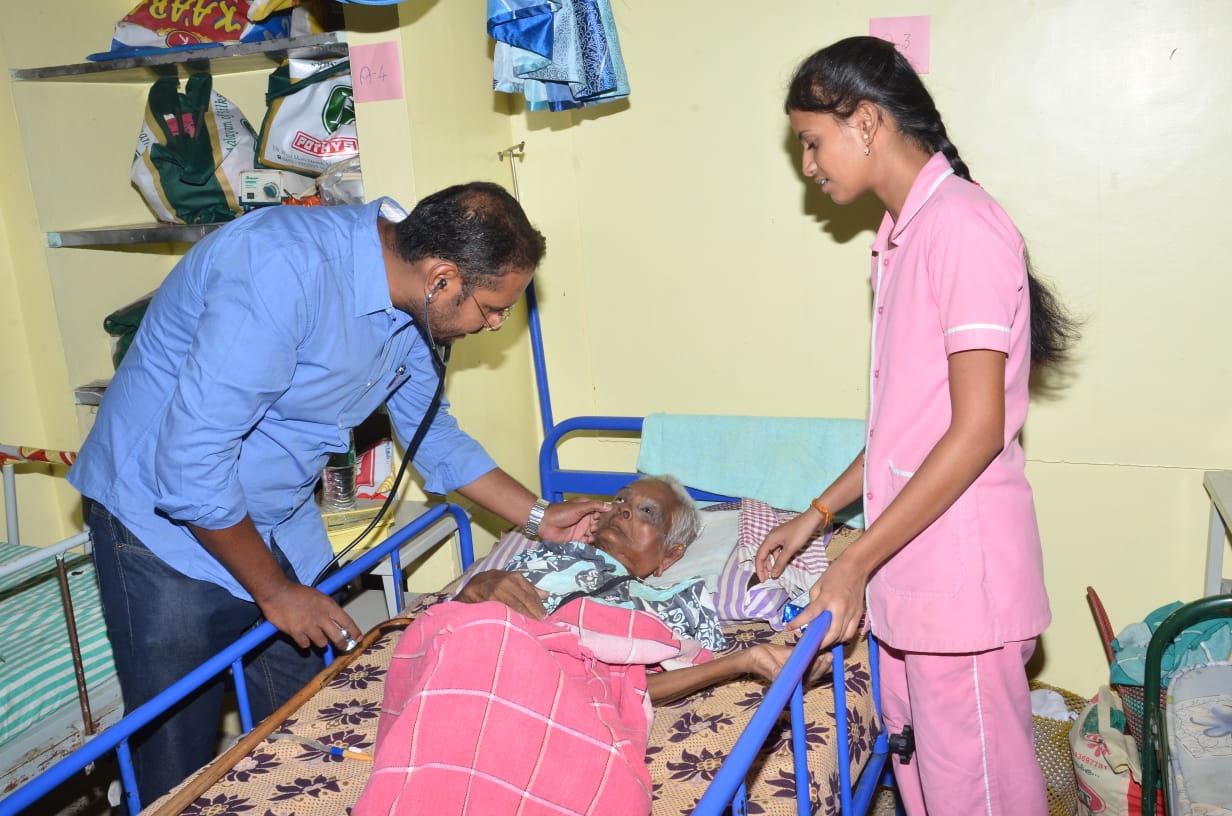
x: 515, y: 152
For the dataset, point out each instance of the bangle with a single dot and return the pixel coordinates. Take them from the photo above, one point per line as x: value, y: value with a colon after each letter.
x: 531, y: 530
x: 826, y: 515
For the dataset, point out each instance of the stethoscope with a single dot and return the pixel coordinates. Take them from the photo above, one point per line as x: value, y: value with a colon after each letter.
x: 440, y: 359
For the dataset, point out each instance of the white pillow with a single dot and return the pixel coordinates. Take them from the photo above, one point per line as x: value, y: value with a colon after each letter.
x: 705, y: 557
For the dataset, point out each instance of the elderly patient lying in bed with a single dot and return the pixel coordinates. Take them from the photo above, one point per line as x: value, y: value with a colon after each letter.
x: 541, y: 703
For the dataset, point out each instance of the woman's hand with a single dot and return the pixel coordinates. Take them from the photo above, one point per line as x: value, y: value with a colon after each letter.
x: 839, y: 591
x: 783, y: 542
x: 572, y: 520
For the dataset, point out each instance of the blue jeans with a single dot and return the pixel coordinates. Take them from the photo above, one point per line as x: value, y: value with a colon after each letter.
x: 163, y: 625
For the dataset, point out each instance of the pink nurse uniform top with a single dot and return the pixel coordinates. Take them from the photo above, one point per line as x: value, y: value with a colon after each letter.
x: 949, y: 276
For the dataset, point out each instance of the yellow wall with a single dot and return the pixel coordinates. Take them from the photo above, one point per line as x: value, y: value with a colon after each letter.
x: 36, y: 407
x: 690, y: 269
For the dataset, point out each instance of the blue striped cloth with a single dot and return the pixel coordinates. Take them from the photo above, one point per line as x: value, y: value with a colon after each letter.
x: 36, y: 664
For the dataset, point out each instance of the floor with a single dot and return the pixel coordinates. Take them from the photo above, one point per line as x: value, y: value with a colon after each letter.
x: 883, y: 803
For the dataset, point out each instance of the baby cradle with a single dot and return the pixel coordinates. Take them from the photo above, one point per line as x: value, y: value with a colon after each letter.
x: 1188, y: 743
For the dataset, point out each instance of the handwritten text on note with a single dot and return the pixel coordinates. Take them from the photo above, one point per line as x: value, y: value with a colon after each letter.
x: 909, y: 35
x: 376, y: 72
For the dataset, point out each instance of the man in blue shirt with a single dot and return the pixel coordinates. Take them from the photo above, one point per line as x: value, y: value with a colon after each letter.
x: 267, y: 343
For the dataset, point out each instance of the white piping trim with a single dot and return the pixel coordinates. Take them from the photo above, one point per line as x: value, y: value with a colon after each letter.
x: 949, y: 172
x: 937, y: 183
x: 976, y: 327
x: 979, y: 711
x: 904, y: 473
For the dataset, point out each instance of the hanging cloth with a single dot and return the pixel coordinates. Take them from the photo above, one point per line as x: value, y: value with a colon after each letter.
x: 559, y: 54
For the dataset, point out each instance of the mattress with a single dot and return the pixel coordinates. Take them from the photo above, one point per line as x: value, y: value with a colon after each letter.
x: 36, y: 664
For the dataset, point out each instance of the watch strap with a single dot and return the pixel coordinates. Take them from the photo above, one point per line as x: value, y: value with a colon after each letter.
x: 531, y: 530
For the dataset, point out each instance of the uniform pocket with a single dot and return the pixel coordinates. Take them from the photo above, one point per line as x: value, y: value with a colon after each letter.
x: 934, y: 564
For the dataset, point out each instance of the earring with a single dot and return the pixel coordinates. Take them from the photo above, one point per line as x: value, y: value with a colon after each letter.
x: 865, y: 150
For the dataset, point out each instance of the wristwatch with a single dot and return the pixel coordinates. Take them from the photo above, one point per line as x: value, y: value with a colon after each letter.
x: 535, y: 519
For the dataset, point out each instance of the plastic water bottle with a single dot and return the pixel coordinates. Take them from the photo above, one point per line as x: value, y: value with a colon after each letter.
x: 338, y: 480
x: 795, y: 606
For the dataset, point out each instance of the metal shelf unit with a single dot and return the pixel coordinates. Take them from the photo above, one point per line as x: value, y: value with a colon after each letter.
x: 217, y: 59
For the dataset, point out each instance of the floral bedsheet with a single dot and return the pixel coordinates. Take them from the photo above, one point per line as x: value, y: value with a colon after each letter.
x: 293, y: 771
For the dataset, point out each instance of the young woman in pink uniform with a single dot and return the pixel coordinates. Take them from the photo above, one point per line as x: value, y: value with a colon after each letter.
x: 950, y: 564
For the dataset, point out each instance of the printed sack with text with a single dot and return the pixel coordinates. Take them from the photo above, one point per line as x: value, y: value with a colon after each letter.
x: 192, y: 148
x: 1106, y: 766
x: 160, y: 25
x: 310, y: 117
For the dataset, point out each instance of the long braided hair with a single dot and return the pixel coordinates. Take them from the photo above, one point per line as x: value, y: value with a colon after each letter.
x: 837, y: 78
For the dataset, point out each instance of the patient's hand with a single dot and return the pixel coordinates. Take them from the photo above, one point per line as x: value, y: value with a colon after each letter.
x: 510, y: 588
x: 766, y: 660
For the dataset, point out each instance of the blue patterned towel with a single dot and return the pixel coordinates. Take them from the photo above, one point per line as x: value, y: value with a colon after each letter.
x: 559, y: 54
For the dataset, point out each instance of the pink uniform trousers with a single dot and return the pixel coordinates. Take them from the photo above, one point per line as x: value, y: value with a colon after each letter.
x: 971, y: 714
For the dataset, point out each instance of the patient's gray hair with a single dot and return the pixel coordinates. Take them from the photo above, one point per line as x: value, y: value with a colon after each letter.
x: 685, y: 524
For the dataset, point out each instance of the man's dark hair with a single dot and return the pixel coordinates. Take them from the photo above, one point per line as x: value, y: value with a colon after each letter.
x: 478, y: 227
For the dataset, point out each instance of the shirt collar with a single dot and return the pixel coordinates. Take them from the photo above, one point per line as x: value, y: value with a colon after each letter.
x: 371, y: 280
x: 936, y: 170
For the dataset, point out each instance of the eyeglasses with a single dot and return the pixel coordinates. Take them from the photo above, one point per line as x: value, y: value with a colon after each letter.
x: 501, y: 315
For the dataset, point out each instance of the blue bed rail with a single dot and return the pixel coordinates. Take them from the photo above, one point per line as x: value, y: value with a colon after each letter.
x: 727, y: 787
x: 117, y: 736
x: 557, y: 481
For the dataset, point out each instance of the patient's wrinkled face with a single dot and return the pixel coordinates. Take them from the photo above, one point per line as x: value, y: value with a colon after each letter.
x: 634, y: 529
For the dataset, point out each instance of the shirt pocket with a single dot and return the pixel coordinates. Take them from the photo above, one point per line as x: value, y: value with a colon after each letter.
x: 934, y: 564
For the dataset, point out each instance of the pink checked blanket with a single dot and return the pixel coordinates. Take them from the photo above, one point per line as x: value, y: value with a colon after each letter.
x: 487, y: 711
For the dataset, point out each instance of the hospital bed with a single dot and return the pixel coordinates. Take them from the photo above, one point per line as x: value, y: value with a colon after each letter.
x: 826, y: 754
x: 298, y: 757
x: 57, y: 678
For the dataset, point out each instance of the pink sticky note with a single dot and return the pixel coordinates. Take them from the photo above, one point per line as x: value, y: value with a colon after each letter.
x: 909, y: 35
x: 376, y: 72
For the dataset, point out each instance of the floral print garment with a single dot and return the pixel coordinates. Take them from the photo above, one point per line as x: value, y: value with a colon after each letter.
x: 562, y: 570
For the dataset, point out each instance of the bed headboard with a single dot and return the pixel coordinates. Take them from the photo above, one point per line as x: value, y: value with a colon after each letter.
x: 556, y: 481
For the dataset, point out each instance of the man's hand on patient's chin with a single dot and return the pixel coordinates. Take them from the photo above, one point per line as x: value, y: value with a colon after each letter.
x: 572, y: 520
x: 510, y: 588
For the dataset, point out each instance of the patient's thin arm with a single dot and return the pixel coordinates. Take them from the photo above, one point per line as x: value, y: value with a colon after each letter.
x: 669, y: 686
x: 764, y: 660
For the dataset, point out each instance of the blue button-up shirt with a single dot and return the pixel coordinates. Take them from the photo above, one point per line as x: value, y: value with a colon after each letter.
x: 266, y: 344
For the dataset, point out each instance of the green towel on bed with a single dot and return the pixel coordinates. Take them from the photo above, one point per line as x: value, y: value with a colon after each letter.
x: 783, y: 461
